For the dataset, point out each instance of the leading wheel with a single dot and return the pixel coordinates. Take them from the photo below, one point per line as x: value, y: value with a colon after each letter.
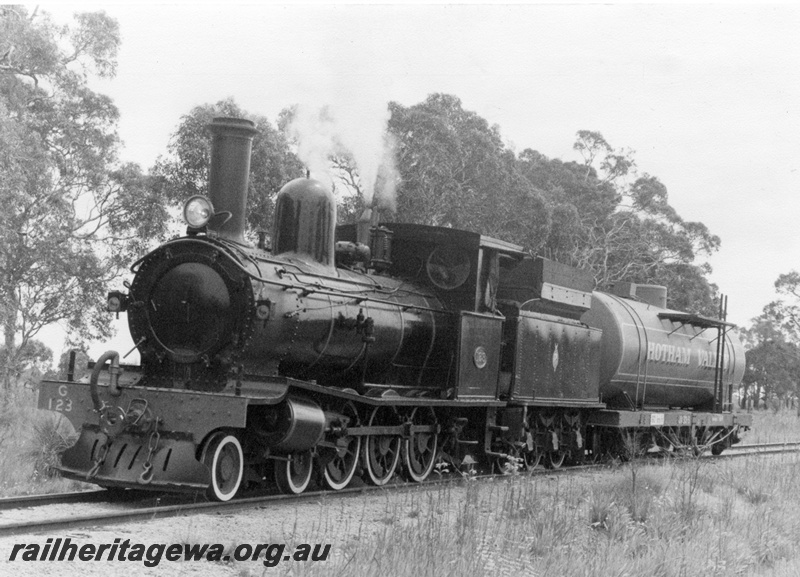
x: 382, y: 452
x: 340, y: 469
x: 294, y: 475
x: 420, y: 449
x: 223, y: 455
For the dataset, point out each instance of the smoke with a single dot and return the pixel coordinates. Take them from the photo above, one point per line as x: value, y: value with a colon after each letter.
x: 354, y: 130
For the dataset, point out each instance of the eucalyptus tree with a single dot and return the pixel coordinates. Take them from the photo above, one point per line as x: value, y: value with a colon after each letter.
x: 773, y: 358
x: 70, y: 212
x: 619, y: 224
x: 455, y: 171
x: 786, y: 310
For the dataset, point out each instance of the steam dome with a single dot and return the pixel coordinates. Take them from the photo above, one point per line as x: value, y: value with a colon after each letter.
x: 305, y: 222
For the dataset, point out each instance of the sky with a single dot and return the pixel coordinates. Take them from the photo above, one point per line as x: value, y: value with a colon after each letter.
x: 708, y: 96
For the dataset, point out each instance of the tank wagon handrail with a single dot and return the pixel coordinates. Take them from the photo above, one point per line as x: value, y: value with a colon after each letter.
x: 695, y: 320
x: 719, y: 365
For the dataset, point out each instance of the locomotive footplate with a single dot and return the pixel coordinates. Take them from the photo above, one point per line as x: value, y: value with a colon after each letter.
x: 383, y: 395
x: 135, y: 460
x: 633, y: 419
x: 193, y: 412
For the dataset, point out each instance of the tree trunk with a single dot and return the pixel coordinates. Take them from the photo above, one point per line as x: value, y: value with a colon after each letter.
x: 9, y: 341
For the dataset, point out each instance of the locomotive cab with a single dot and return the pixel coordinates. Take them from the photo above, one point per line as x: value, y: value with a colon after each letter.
x: 463, y: 269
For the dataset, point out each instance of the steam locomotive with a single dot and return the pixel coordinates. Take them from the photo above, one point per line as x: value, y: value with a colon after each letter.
x: 375, y: 349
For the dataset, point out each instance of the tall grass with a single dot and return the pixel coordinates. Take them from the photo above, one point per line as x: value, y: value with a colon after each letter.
x: 688, y: 518
x: 30, y: 441
x: 679, y: 517
x: 774, y: 426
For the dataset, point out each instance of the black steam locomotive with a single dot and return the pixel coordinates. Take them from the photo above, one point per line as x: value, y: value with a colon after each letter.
x: 377, y: 348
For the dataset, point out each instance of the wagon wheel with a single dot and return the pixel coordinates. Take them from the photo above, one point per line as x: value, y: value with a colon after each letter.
x: 382, y: 452
x: 421, y: 449
x: 222, y: 454
x: 294, y: 475
x: 340, y: 469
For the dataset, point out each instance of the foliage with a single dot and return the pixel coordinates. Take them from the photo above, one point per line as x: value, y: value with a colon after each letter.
x: 456, y: 172
x: 184, y: 171
x: 621, y: 230
x: 33, y: 362
x: 773, y: 341
x: 72, y: 213
x: 773, y: 357
x: 785, y: 312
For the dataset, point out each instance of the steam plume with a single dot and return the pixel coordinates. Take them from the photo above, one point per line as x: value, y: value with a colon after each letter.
x: 351, y: 129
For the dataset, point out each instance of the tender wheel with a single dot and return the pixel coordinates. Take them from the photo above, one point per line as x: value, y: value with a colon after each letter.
x: 341, y: 468
x: 382, y: 452
x: 223, y: 455
x: 421, y: 449
x: 294, y: 476
x: 555, y: 459
x: 530, y: 451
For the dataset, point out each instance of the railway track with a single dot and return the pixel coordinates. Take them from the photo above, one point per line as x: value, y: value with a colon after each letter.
x: 25, y: 501
x: 759, y: 449
x: 142, y: 506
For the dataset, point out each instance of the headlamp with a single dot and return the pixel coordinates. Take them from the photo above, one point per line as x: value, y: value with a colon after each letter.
x: 197, y: 211
x: 117, y: 302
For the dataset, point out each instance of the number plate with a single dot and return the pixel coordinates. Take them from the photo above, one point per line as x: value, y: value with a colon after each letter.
x: 61, y: 401
x: 656, y: 419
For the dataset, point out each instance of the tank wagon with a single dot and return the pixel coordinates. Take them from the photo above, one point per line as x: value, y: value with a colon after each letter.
x: 375, y: 349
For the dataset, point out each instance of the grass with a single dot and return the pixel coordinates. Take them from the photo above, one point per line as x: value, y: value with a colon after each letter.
x: 774, y: 426
x: 30, y: 441
x: 680, y: 517
x: 688, y: 518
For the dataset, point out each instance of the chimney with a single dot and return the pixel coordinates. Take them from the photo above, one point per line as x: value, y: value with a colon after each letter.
x: 232, y: 140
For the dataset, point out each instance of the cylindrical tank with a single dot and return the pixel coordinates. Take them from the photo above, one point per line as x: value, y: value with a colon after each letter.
x: 652, y: 361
